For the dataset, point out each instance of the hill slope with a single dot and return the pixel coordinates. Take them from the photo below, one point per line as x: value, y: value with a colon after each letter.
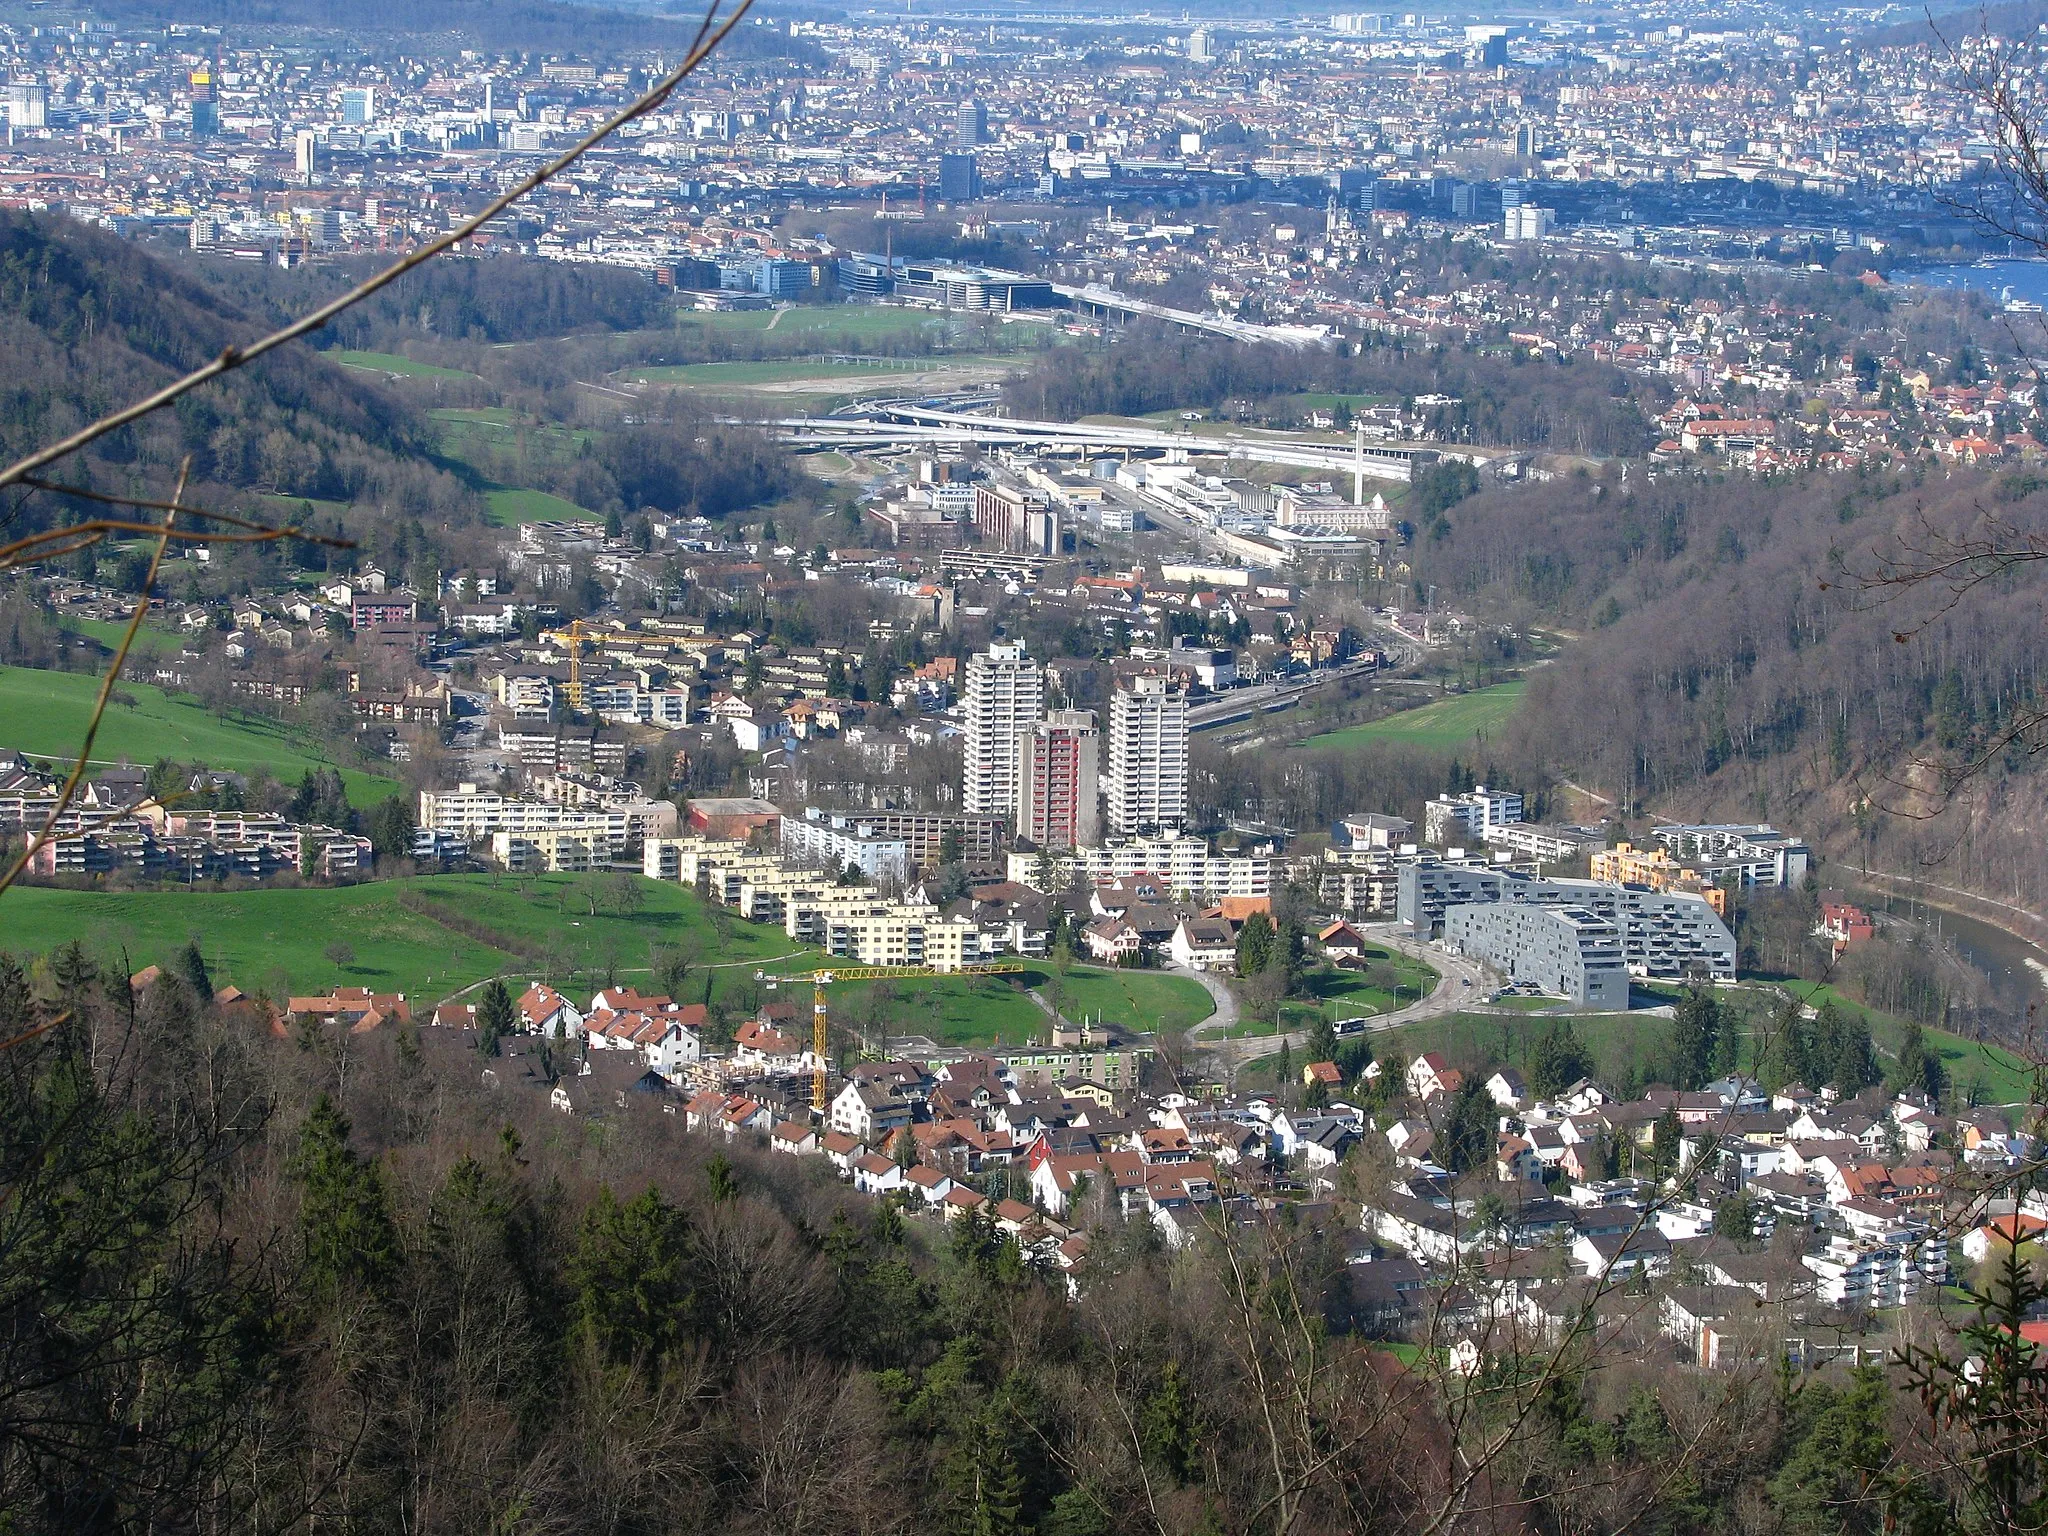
x: 88, y: 321
x: 1732, y: 662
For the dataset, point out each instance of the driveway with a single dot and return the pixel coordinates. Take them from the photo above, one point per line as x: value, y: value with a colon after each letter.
x: 1450, y: 995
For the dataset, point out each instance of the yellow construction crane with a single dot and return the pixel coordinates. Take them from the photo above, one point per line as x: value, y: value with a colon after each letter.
x: 573, y: 637
x: 823, y: 977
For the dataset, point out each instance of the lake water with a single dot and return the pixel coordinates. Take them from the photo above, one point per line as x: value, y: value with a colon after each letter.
x: 2003, y: 280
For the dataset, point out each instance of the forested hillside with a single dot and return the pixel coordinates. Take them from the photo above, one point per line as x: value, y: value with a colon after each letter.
x: 88, y: 321
x: 1734, y: 660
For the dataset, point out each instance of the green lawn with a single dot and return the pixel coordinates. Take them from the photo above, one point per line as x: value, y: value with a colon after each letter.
x: 779, y: 371
x: 861, y: 322
x: 1143, y: 1000
x: 45, y: 714
x: 544, y: 925
x: 992, y: 1010
x: 148, y: 641
x: 253, y: 937
x: 1351, y: 994
x: 391, y: 362
x: 1448, y: 725
x: 510, y: 508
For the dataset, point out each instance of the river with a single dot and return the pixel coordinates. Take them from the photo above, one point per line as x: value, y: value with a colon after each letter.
x: 2016, y: 969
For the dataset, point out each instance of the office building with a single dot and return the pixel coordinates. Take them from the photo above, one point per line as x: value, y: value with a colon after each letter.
x: 971, y: 127
x: 865, y: 277
x: 1493, y: 53
x: 359, y: 106
x: 1005, y: 692
x: 1526, y: 141
x: 1528, y: 223
x: 959, y: 178
x: 28, y: 106
x: 305, y: 153
x: 1147, y: 783
x: 1201, y: 46
x: 1057, y: 781
x: 1568, y: 952
x: 782, y: 279
x: 1016, y: 522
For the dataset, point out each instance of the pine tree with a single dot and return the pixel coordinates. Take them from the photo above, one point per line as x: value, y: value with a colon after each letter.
x: 628, y: 1275
x: 1693, y: 1038
x: 496, y: 1017
x: 1322, y: 1041
x: 1254, y: 944
x: 193, y: 964
x: 344, y: 1211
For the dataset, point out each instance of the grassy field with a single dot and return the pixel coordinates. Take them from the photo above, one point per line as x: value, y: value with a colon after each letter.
x: 257, y: 938
x: 511, y: 508
x: 732, y: 377
x: 45, y: 714
x: 545, y: 925
x: 1640, y: 1042
x: 774, y: 371
x: 1448, y: 725
x: 148, y: 641
x: 482, y: 437
x: 391, y: 362
x: 1144, y: 1000
x: 998, y: 1010
x: 859, y: 322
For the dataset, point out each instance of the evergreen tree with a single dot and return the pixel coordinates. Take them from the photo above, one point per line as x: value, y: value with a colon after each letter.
x: 1168, y: 1429
x: 1466, y: 1139
x: 193, y: 964
x: 1255, y: 944
x: 1693, y: 1038
x: 392, y: 825
x: 496, y: 1017
x: 1665, y: 1138
x: 628, y: 1275
x: 1322, y: 1041
x: 344, y: 1210
x: 1919, y: 1069
x: 1557, y: 1061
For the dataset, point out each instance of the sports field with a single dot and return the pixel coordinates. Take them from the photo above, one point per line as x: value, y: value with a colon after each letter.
x: 1448, y: 725
x: 45, y: 714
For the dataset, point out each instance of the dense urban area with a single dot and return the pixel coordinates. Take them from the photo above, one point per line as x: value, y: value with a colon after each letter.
x: 1027, y: 772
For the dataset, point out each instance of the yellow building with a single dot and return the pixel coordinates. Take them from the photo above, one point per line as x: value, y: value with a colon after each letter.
x: 1655, y: 869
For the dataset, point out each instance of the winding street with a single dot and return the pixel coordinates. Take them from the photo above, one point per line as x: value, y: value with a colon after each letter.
x: 1462, y: 985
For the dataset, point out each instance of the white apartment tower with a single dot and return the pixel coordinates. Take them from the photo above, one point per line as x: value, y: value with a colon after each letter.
x: 1004, y: 693
x: 1147, y: 782
x: 1057, y: 789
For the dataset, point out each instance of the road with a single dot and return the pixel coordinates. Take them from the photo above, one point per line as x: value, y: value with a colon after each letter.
x: 1462, y: 985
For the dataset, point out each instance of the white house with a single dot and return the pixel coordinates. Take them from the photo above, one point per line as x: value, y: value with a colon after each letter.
x: 1204, y: 944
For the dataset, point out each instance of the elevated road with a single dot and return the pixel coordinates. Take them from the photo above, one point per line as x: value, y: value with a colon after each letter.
x: 903, y: 425
x: 1094, y: 299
